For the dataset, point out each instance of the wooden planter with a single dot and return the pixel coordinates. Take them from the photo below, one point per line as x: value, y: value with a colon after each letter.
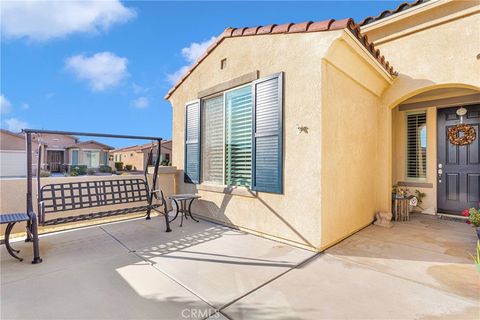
x: 401, y: 209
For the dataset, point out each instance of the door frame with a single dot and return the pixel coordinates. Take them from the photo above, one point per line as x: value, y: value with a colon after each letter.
x: 55, y: 150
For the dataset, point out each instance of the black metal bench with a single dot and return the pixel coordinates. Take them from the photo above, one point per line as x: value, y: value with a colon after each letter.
x: 60, y: 197
x: 11, y: 219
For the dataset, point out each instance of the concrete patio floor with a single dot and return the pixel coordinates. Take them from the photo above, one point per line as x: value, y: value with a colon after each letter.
x: 134, y: 270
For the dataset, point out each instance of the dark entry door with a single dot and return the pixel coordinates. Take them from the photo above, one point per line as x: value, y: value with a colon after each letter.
x: 55, y: 160
x: 459, y: 183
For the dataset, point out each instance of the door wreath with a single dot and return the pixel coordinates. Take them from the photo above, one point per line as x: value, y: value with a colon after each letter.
x: 461, y: 134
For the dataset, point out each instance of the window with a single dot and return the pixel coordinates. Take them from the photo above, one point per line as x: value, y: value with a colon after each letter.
x: 417, y: 145
x: 212, y: 140
x: 92, y: 159
x: 238, y: 132
x: 235, y: 138
x: 74, y: 157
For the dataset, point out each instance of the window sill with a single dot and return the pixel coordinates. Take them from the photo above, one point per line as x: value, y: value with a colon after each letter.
x: 237, y: 191
x: 415, y: 183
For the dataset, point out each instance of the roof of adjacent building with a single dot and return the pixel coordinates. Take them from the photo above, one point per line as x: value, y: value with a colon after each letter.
x: 387, y: 13
x: 139, y: 148
x: 11, y: 133
x: 308, y: 26
x: 83, y: 143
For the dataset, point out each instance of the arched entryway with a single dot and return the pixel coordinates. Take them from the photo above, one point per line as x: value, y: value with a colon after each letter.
x: 425, y: 159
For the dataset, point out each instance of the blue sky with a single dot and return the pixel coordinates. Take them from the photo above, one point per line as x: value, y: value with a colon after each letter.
x: 105, y: 67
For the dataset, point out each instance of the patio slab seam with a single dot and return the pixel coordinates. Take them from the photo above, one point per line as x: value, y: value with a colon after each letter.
x: 300, y: 264
x: 117, y: 240
x: 363, y: 265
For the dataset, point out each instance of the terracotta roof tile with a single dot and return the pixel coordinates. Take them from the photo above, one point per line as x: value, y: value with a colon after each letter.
x: 341, y: 24
x: 281, y: 28
x: 320, y: 25
x: 238, y: 32
x: 308, y: 26
x: 402, y: 7
x: 299, y: 27
x: 251, y: 31
x: 266, y: 29
x: 226, y: 33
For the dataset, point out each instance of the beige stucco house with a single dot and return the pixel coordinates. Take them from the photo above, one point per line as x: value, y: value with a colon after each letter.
x: 137, y: 155
x: 59, y: 153
x: 299, y: 131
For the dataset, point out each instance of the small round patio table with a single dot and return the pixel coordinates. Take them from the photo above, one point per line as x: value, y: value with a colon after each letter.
x: 183, y: 205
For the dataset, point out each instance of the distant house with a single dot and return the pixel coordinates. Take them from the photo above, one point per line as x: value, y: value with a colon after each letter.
x: 137, y: 156
x: 59, y: 153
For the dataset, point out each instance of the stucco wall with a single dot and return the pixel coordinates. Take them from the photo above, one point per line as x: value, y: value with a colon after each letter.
x: 352, y: 153
x: 13, y: 193
x: 435, y: 47
x: 294, y: 215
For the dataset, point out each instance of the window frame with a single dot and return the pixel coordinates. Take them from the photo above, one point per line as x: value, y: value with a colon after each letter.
x: 407, y: 177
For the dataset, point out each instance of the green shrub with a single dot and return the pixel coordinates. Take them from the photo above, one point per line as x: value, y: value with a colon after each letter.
x: 45, y: 173
x: 78, y: 170
x: 91, y: 171
x: 165, y: 162
x: 128, y: 167
x: 119, y: 166
x: 105, y: 169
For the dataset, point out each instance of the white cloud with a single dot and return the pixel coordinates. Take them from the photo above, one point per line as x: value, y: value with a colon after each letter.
x: 5, y: 105
x: 15, y: 125
x: 45, y: 20
x: 137, y: 89
x: 141, y: 102
x: 24, y: 106
x: 190, y: 54
x: 195, y: 50
x: 103, y: 70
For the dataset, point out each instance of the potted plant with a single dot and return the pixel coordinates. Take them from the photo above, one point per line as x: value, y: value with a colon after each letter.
x: 476, y: 258
x: 473, y: 218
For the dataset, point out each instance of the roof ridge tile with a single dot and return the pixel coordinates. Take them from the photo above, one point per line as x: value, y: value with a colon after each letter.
x: 386, y: 13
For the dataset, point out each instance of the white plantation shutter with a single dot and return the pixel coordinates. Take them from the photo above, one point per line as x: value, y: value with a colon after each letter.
x: 416, y: 145
x: 192, y: 142
x: 212, y: 140
x: 268, y: 134
x: 238, y: 132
